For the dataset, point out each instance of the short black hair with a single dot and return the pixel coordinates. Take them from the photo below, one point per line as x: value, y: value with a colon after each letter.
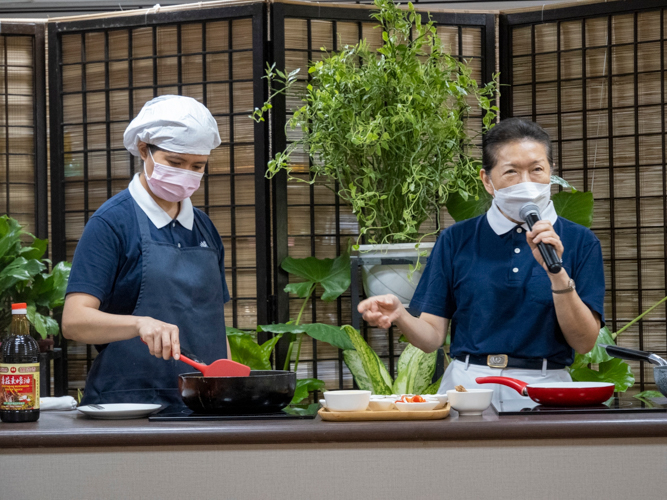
x: 512, y: 130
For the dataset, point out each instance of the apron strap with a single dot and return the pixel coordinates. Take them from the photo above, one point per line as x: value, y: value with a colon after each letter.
x: 142, y: 219
x: 204, y: 231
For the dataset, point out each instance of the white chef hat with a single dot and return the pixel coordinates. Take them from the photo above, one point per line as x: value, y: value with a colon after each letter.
x: 176, y: 123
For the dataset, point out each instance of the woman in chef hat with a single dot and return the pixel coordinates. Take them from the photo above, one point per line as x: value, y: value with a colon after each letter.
x: 149, y: 266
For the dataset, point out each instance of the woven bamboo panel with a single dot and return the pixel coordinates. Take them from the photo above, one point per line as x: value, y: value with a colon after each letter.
x: 17, y: 132
x: 596, y: 85
x: 107, y: 76
x: 321, y: 225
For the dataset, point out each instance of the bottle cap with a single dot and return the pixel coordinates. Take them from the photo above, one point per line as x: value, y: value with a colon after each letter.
x: 20, y: 308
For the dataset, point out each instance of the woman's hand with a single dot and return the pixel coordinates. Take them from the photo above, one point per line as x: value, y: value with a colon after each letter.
x: 381, y: 310
x: 544, y: 232
x: 160, y: 337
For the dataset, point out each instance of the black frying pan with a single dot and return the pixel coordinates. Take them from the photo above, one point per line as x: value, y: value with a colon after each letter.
x: 264, y: 391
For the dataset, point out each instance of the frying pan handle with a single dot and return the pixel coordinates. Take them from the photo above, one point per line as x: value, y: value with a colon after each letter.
x: 632, y: 354
x: 518, y: 385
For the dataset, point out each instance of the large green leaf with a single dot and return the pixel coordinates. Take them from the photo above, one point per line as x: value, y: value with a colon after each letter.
x: 36, y: 249
x: 20, y: 269
x: 433, y: 388
x: 44, y: 325
x: 356, y: 367
x: 375, y: 370
x: 462, y: 209
x: 415, y: 370
x: 245, y: 350
x: 597, y: 354
x: 615, y: 371
x: 647, y: 396
x: 576, y: 206
x: 333, y: 275
x: 333, y: 335
x: 423, y: 374
x: 10, y: 236
x: 304, y: 386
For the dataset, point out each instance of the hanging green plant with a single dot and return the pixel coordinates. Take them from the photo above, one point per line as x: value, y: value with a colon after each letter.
x: 389, y: 126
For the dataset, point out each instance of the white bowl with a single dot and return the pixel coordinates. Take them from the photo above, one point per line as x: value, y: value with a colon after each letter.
x: 347, y: 400
x: 440, y: 398
x: 323, y: 403
x: 428, y: 406
x: 473, y: 402
x: 382, y: 403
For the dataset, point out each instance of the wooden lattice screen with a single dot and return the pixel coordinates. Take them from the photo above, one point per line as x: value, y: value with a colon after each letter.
x: 23, y: 172
x: 103, y: 71
x: 318, y: 223
x: 594, y: 78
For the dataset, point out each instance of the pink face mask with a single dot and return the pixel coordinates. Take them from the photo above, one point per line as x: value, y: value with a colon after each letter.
x: 170, y: 183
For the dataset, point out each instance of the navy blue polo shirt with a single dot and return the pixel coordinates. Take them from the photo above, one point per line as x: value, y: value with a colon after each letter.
x: 108, y: 263
x: 498, y: 297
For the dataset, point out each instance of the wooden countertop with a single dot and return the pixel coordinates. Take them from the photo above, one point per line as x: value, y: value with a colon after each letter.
x: 72, y: 429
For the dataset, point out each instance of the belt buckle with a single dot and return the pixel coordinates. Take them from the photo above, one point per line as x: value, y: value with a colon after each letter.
x: 497, y: 360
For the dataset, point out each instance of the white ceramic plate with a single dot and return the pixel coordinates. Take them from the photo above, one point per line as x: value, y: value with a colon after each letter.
x: 119, y: 411
x: 428, y: 406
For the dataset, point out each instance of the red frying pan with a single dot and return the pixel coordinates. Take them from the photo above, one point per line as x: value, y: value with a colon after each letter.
x: 557, y: 393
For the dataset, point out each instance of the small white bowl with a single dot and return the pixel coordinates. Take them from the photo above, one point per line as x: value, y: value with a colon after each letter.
x: 381, y: 403
x: 428, y: 406
x: 347, y: 400
x: 472, y: 402
x: 440, y: 398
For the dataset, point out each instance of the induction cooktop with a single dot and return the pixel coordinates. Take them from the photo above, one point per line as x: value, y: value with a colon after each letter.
x: 618, y: 404
x: 182, y: 413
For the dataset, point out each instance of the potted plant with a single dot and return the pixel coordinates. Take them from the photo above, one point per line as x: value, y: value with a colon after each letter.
x: 24, y: 278
x: 389, y: 126
x: 331, y: 277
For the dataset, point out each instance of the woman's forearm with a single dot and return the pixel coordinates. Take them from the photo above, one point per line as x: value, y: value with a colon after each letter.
x: 579, y: 324
x: 422, y: 333
x: 85, y: 323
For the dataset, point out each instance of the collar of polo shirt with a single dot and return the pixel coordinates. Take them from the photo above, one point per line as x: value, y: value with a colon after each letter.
x: 155, y: 212
x: 501, y: 224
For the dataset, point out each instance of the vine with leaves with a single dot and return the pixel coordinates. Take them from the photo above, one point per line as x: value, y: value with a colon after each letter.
x: 390, y: 126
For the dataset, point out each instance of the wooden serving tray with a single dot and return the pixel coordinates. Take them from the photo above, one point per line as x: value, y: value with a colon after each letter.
x: 350, y: 416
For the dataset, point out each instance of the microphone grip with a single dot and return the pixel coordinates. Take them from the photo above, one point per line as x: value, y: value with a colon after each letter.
x: 548, y: 252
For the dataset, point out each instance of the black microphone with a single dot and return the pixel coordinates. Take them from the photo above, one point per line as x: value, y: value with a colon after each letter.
x: 531, y: 214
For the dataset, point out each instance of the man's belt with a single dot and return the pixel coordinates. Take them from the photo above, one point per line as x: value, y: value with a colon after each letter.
x: 505, y: 361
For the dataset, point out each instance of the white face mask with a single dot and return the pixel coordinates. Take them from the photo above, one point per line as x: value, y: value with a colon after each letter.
x: 511, y: 199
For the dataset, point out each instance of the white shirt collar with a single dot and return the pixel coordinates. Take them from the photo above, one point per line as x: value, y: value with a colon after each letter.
x: 501, y: 224
x: 155, y: 212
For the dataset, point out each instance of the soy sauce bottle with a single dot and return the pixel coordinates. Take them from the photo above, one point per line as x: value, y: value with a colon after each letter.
x: 19, y: 371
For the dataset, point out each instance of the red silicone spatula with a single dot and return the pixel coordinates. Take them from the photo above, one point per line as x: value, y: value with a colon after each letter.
x: 219, y: 368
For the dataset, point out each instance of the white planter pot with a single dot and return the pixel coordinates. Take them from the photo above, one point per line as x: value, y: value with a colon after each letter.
x: 381, y: 279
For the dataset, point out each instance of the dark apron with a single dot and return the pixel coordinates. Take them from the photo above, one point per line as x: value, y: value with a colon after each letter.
x: 180, y: 286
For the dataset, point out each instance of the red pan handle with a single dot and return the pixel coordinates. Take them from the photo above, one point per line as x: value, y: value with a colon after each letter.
x: 198, y: 366
x: 518, y: 385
